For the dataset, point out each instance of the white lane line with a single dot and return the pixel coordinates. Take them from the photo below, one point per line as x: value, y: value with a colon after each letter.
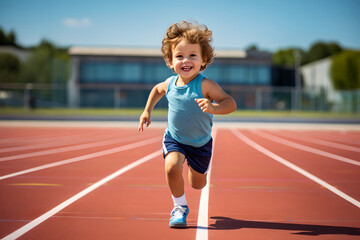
x: 320, y: 142
x: 5, y: 139
x: 305, y: 148
x: 43, y: 138
x: 54, y: 141
x: 65, y: 149
x: 29, y: 147
x: 328, y: 135
x: 21, y: 231
x: 203, y: 215
x: 295, y: 168
x: 83, y: 157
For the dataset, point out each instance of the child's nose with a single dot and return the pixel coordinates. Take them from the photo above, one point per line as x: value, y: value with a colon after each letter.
x: 186, y: 60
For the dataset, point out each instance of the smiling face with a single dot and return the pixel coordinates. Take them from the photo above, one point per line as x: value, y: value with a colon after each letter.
x: 186, y: 60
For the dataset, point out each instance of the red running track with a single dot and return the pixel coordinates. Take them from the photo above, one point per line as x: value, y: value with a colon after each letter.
x: 108, y: 183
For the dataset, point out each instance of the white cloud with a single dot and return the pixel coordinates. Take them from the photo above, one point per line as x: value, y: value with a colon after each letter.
x: 73, y: 22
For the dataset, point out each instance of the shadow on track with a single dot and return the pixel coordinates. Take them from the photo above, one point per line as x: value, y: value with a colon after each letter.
x: 225, y: 223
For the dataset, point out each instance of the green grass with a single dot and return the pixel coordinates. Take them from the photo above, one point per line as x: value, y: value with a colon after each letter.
x: 293, y: 114
x: 162, y: 112
x: 77, y: 112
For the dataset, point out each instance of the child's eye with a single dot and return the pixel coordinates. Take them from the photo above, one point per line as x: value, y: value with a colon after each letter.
x: 192, y: 55
x: 178, y: 56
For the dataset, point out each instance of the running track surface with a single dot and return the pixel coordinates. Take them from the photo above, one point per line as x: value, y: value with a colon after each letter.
x: 97, y: 182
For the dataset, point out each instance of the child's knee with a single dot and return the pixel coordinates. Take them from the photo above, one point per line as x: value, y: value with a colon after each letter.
x: 173, y: 170
x: 198, y: 185
x: 174, y: 164
x: 197, y: 180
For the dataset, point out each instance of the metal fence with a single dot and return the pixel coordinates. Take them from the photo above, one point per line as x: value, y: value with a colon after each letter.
x: 33, y: 95
x: 247, y: 98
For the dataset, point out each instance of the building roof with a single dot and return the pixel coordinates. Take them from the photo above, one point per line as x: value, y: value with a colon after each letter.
x: 141, y: 52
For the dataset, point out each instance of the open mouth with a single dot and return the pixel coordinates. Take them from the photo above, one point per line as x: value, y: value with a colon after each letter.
x: 186, y: 69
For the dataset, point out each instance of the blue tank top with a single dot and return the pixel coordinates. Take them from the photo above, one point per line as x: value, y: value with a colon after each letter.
x: 187, y: 123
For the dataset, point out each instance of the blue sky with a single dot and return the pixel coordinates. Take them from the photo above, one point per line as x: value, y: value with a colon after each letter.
x: 236, y: 24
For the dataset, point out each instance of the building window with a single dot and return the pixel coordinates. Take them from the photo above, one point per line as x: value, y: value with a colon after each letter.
x: 214, y: 72
x: 162, y: 72
x: 148, y: 71
x: 156, y: 72
x: 249, y: 74
x: 131, y: 72
x: 264, y: 75
x: 141, y: 72
x: 252, y: 75
x: 104, y: 72
x: 237, y: 74
x: 101, y: 72
x: 87, y: 72
x: 110, y: 72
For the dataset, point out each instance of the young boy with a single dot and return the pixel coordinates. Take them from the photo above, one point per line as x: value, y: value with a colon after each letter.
x: 192, y: 99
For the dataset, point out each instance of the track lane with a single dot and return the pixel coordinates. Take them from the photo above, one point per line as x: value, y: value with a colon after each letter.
x: 125, y: 147
x: 117, y: 207
x: 250, y: 198
x: 61, y: 141
x: 69, y: 148
x: 336, y: 136
x: 133, y: 206
x: 25, y: 202
x: 16, y: 165
x: 27, y: 135
x: 331, y: 147
x: 308, y: 139
x: 85, y: 137
x: 254, y: 196
x: 34, y: 223
x: 340, y: 174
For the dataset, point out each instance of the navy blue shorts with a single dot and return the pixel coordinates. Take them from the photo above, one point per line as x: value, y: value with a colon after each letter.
x: 198, y: 158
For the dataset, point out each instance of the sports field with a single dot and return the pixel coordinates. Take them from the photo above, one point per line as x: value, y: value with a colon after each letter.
x: 105, y: 180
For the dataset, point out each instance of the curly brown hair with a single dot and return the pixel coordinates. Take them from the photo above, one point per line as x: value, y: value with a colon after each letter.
x: 193, y: 33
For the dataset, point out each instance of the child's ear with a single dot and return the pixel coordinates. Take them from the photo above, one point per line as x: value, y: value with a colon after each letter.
x: 171, y: 65
x: 203, y: 63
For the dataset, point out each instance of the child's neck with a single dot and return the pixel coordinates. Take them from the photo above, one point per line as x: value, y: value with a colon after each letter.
x: 182, y: 82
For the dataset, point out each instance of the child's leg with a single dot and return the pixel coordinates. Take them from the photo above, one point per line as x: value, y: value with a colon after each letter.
x: 197, y: 180
x: 173, y: 169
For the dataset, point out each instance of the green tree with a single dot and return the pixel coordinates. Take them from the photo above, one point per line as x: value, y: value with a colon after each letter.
x: 286, y: 57
x: 345, y: 70
x: 334, y: 48
x: 3, y: 38
x: 9, y: 68
x: 320, y: 50
x: 8, y: 39
x: 37, y: 67
x: 252, y: 47
x: 316, y: 52
x: 12, y: 38
x: 46, y: 62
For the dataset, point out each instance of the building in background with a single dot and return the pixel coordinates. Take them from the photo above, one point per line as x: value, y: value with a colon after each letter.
x: 317, y: 81
x: 123, y: 77
x: 319, y: 92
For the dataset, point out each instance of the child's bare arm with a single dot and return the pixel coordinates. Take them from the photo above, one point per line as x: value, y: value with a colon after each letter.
x: 154, y: 97
x: 224, y: 104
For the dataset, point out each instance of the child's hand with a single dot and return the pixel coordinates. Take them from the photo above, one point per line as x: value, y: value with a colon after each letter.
x: 205, y: 105
x: 144, y: 119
